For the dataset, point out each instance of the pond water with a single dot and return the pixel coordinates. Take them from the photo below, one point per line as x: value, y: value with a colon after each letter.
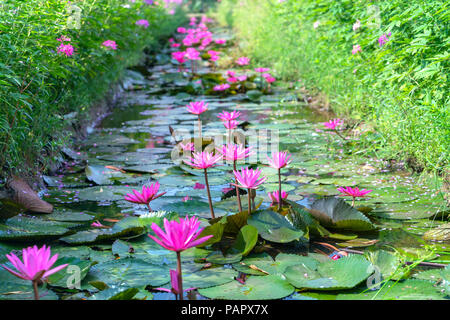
x: 134, y: 146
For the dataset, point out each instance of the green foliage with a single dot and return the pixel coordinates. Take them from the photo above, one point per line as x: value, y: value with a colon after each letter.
x: 39, y: 86
x: 401, y: 87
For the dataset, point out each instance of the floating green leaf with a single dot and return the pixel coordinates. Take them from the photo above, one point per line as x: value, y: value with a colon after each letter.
x: 274, y: 227
x: 255, y: 288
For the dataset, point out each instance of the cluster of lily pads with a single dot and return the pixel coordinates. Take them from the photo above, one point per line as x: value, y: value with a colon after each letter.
x: 225, y: 249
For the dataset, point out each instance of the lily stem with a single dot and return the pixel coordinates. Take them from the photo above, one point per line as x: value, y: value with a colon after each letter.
x: 249, y: 202
x: 280, y: 199
x: 180, y: 279
x: 200, y: 130
x: 237, y: 190
x: 35, y: 289
x: 209, y: 194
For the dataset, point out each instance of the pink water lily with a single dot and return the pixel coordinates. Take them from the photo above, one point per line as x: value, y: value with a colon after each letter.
x: 189, y: 146
x: 228, y: 116
x: 278, y: 161
x: 148, y: 194
x: 249, y: 179
x: 199, y: 186
x: 179, y: 236
x: 234, y: 152
x: 230, y: 125
x: 353, y: 192
x: 36, y: 265
x: 275, y: 196
x: 197, y: 107
x: 179, y: 56
x: 270, y: 79
x: 221, y: 87
x: 204, y: 160
x: 243, y: 61
x: 262, y: 70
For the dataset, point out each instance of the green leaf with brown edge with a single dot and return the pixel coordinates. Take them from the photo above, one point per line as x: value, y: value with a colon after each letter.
x: 336, y: 213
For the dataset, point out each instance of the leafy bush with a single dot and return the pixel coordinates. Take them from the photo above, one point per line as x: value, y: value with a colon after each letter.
x: 39, y: 85
x: 401, y: 86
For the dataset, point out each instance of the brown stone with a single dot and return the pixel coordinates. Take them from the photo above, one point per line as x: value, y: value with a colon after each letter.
x: 27, y: 197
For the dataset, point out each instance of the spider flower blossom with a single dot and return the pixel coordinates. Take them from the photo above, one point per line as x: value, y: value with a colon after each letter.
x: 179, y: 235
x: 197, y: 107
x: 203, y: 160
x: 148, y: 194
x: 279, y: 160
x: 66, y: 49
x: 110, y: 44
x: 36, y: 264
x: 383, y: 39
x: 143, y: 23
x: 333, y: 124
x: 249, y: 178
x: 356, y: 49
x: 234, y: 152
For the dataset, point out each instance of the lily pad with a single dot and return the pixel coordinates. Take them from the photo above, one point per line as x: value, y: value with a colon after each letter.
x: 274, y: 227
x: 127, y: 227
x: 336, y: 213
x: 255, y: 288
x: 345, y: 273
x: 21, y: 228
x: 129, y: 272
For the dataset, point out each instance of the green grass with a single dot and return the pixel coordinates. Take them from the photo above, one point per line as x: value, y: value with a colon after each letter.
x: 401, y: 88
x: 38, y: 86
